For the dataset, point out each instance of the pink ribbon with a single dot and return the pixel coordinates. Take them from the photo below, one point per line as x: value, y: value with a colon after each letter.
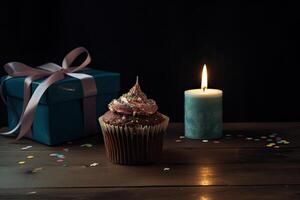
x: 54, y: 73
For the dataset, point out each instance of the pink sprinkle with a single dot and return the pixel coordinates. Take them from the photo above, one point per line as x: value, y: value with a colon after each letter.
x: 60, y: 160
x: 216, y: 142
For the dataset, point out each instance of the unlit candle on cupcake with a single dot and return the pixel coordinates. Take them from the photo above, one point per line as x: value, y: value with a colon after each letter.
x: 203, y: 118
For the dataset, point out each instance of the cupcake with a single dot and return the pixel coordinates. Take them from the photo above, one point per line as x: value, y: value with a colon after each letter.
x: 133, y: 129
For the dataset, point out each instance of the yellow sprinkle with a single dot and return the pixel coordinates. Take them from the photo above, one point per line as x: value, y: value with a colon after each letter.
x: 30, y: 157
x: 285, y: 142
x: 22, y: 162
x: 270, y: 144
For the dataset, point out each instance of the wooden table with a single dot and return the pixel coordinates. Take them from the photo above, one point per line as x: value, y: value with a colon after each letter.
x: 235, y: 168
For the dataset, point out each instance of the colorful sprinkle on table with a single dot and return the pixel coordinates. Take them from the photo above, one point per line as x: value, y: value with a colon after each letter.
x: 181, y: 137
x: 283, y: 142
x: 249, y: 138
x: 270, y: 144
x: 31, y: 193
x: 205, y: 141
x: 21, y: 162
x: 276, y: 147
x: 272, y: 135
x: 216, y: 142
x: 263, y: 137
x: 86, y: 145
x: 60, y: 160
x: 177, y: 141
x: 30, y: 157
x: 27, y: 147
x: 256, y: 139
x: 35, y: 170
x: 94, y: 164
x: 60, y: 156
x: 57, y: 155
x: 270, y: 140
x: 166, y: 169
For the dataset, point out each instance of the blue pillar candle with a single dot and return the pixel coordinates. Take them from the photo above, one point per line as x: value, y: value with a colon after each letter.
x: 203, y: 116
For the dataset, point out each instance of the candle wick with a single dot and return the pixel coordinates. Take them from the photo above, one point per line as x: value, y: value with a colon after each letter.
x: 204, y: 88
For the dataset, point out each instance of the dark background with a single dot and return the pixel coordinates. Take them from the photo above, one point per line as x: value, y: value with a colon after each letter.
x: 251, y: 49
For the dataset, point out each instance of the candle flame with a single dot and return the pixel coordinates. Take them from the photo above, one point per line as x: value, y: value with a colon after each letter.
x: 204, y: 78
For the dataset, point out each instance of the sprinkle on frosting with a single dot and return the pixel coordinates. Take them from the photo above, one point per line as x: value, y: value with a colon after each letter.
x: 135, y: 102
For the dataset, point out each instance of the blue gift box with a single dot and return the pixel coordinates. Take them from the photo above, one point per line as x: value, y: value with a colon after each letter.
x: 59, y: 115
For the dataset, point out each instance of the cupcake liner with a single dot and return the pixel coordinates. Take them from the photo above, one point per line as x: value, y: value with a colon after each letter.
x: 133, y: 145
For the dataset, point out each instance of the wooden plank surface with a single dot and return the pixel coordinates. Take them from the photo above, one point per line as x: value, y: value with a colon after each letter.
x: 158, y: 193
x: 233, y: 166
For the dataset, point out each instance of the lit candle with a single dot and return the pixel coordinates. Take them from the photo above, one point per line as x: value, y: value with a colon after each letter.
x: 203, y: 118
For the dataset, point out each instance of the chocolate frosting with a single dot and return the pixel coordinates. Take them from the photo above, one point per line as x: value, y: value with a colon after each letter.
x: 135, y: 102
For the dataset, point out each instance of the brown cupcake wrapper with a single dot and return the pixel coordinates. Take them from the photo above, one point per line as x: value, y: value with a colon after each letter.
x: 133, y: 145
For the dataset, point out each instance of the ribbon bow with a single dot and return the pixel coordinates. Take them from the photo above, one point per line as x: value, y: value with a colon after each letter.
x: 54, y: 73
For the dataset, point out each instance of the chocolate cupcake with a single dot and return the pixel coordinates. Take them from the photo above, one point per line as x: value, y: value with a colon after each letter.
x: 133, y: 129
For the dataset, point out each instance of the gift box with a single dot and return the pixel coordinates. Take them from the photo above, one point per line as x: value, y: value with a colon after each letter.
x: 60, y: 113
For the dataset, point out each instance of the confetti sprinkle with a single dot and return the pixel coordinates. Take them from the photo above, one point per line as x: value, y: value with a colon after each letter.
x: 272, y: 135
x: 31, y: 193
x: 228, y: 135
x: 21, y: 162
x: 283, y: 142
x: 181, y: 137
x: 35, y: 170
x: 65, y: 165
x: 177, y: 141
x: 249, y: 138
x: 57, y: 155
x: 270, y: 144
x: 269, y: 140
x: 205, y: 141
x: 263, y: 137
x: 276, y: 147
x: 86, y: 145
x: 27, y: 147
x: 30, y: 157
x: 166, y: 169
x: 216, y: 142
x: 65, y: 149
x: 94, y: 164
x: 257, y: 139
x: 60, y: 160
x: 278, y: 138
x: 61, y: 156
x: 240, y: 135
